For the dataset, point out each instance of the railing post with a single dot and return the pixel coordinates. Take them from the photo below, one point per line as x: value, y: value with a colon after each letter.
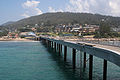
x: 74, y: 58
x: 90, y: 66
x: 105, y: 70
x: 65, y: 53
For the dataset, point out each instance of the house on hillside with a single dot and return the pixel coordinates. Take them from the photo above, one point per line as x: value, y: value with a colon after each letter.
x: 90, y: 28
x: 27, y: 35
x: 116, y: 29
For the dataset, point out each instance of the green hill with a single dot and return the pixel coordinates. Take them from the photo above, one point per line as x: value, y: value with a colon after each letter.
x: 66, y: 17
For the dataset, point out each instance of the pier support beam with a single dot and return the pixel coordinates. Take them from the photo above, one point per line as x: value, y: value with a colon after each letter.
x: 52, y: 43
x: 65, y: 53
x: 47, y: 43
x: 90, y: 66
x: 105, y: 70
x: 59, y: 50
x: 84, y: 65
x: 74, y: 58
x: 55, y: 46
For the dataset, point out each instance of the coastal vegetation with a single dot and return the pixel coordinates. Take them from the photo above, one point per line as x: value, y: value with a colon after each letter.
x: 3, y: 32
x: 106, y: 32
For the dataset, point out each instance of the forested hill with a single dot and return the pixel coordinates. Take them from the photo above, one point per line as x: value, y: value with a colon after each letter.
x: 7, y: 23
x: 65, y: 18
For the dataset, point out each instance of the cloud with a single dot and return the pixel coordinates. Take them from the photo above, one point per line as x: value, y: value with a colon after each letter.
x: 107, y: 7
x: 115, y: 7
x: 78, y: 6
x: 50, y: 9
x: 25, y: 15
x: 31, y: 8
x: 30, y: 4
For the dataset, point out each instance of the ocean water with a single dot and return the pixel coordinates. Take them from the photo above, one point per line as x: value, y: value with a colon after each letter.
x: 34, y: 61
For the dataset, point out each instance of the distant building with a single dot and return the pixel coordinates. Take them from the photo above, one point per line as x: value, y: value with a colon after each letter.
x: 12, y: 35
x: 116, y: 29
x: 90, y: 28
x: 76, y: 28
x: 31, y: 34
x: 67, y: 28
x: 33, y: 29
x: 62, y: 28
x: 23, y: 33
x: 27, y: 34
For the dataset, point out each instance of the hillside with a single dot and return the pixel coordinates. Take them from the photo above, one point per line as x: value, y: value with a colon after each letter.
x: 7, y: 23
x: 65, y: 18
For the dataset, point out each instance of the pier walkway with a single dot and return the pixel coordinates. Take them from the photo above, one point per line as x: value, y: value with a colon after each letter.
x: 106, y: 47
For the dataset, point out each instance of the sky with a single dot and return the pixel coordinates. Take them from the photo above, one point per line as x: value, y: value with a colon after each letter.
x: 13, y: 10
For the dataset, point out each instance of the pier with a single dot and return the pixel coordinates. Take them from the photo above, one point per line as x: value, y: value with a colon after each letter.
x: 106, y: 53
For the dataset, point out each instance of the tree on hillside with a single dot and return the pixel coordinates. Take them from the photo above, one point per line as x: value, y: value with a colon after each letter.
x: 104, y: 29
x: 3, y: 33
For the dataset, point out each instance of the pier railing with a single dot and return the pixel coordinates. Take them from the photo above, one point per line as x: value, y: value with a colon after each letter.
x: 102, y: 41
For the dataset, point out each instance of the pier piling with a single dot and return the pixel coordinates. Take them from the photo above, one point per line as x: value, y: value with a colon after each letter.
x: 65, y: 53
x: 74, y: 58
x: 90, y: 66
x: 105, y: 70
x: 47, y: 43
x: 84, y: 65
x: 52, y: 44
x: 55, y: 46
x: 59, y: 50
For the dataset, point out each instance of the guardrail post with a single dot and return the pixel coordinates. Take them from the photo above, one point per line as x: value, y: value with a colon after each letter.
x: 65, y: 53
x: 90, y: 66
x: 105, y: 70
x: 74, y: 58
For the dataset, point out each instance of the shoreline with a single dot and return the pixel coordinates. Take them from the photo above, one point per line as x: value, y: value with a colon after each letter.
x: 16, y: 40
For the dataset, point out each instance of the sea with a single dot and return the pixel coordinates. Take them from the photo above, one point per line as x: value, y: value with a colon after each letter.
x: 35, y: 61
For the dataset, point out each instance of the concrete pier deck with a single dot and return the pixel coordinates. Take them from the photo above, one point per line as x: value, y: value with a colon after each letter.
x: 106, y: 47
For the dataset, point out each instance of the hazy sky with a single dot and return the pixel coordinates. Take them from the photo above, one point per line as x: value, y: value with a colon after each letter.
x: 12, y: 10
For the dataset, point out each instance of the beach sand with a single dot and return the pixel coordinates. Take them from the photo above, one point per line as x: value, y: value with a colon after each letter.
x: 15, y: 39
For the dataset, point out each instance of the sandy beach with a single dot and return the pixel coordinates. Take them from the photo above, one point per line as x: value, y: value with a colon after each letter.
x: 15, y: 39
